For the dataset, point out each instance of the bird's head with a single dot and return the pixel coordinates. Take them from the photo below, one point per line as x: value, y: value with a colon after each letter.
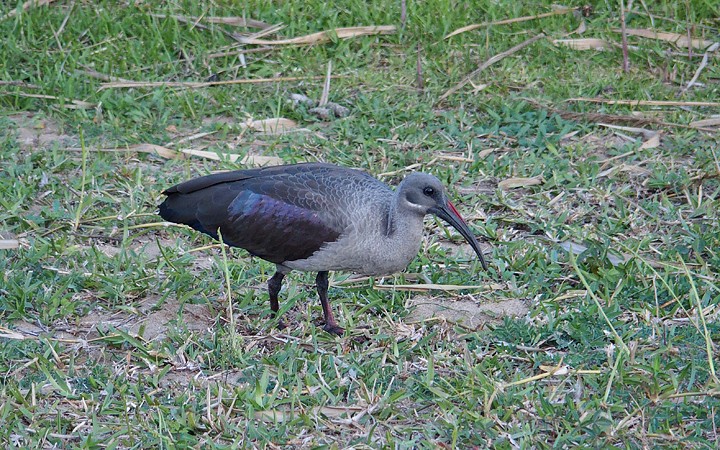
x: 425, y: 194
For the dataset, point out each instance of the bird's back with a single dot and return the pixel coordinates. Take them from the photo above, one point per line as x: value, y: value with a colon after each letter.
x: 280, y: 213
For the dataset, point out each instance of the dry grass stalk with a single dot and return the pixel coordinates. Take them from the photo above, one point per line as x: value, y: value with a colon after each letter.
x: 167, y: 153
x: 19, y: 83
x: 232, y: 21
x: 9, y: 244
x: 190, y: 138
x: 238, y: 52
x: 651, y: 142
x: 323, y: 36
x: 7, y: 333
x: 583, y: 44
x: 27, y: 5
x: 643, y: 102
x: 646, y: 134
x: 517, y: 182
x: 623, y: 31
x: 74, y: 104
x: 325, y: 96
x: 418, y: 69
x: 454, y: 158
x: 714, y: 122
x: 280, y: 415
x: 202, y: 84
x: 194, y: 22
x: 488, y: 63
x: 703, y: 63
x: 509, y: 21
x: 100, y: 76
x: 247, y: 160
x: 675, y: 38
x: 424, y: 287
x: 407, y: 168
x: 275, y: 125
x: 236, y: 22
x: 262, y: 33
x: 611, y: 118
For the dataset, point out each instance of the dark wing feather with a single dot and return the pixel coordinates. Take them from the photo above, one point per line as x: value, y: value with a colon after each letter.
x: 281, y: 213
x: 275, y: 230
x: 238, y: 175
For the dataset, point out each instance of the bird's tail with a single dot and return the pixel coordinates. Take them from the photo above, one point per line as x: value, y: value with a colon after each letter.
x: 183, y: 209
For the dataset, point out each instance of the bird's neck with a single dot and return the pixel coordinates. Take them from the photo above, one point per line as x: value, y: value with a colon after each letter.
x: 402, y: 220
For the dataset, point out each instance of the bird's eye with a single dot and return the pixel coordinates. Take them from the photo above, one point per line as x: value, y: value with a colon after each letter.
x: 429, y: 191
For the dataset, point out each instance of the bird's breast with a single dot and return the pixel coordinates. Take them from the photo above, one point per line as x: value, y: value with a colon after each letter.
x: 364, y: 251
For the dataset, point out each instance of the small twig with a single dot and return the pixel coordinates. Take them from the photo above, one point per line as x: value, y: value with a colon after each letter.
x: 403, y: 13
x: 488, y: 63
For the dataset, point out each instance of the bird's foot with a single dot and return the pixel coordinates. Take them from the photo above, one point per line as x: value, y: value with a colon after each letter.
x: 334, y: 328
x: 281, y: 325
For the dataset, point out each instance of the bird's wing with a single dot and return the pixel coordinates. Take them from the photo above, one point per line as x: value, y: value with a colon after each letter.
x: 278, y: 214
x: 206, y: 181
x: 277, y: 230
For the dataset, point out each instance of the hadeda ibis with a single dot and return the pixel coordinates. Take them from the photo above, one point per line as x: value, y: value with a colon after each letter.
x: 315, y: 217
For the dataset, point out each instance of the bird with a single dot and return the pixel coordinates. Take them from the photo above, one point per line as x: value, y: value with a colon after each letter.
x: 315, y: 217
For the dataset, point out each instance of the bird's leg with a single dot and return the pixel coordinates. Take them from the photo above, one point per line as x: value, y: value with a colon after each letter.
x: 322, y: 287
x: 274, y: 285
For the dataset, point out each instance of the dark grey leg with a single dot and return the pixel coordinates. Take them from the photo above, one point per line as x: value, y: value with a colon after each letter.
x: 274, y: 285
x: 322, y: 287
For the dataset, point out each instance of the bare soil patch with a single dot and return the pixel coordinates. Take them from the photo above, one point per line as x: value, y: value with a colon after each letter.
x: 150, y: 321
x: 466, y: 311
x: 39, y: 132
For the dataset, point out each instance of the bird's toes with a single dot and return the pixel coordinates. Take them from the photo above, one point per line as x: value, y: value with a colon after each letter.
x: 333, y: 328
x: 281, y: 325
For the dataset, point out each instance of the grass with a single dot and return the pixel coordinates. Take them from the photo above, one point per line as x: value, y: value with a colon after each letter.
x: 118, y: 332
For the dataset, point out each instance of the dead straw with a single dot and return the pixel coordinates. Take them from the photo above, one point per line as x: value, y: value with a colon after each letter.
x: 509, y: 21
x: 488, y: 63
x: 202, y: 84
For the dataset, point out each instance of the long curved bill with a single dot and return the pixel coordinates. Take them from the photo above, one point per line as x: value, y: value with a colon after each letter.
x: 449, y: 214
